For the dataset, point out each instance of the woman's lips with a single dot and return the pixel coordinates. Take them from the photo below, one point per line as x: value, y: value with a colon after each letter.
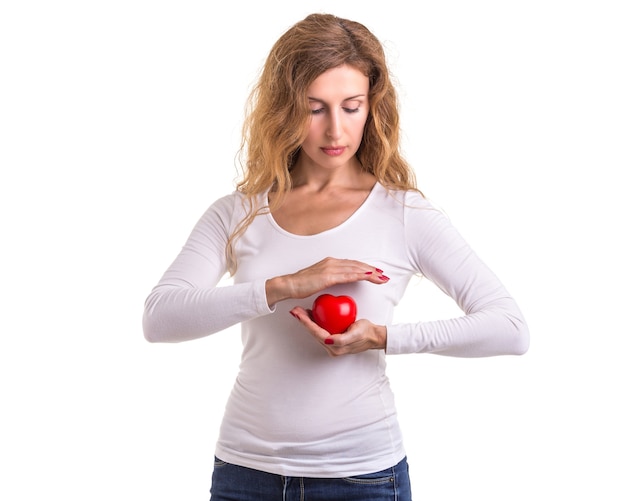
x: 334, y: 151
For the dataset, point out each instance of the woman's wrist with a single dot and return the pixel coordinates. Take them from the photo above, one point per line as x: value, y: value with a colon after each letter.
x: 381, y: 336
x: 277, y: 289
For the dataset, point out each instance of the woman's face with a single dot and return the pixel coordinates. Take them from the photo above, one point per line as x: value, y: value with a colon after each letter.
x: 339, y: 105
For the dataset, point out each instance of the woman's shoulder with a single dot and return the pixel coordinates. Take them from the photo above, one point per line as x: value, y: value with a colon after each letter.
x: 225, y: 203
x: 235, y: 206
x: 232, y: 202
x: 407, y: 198
x: 414, y: 209
x: 224, y: 208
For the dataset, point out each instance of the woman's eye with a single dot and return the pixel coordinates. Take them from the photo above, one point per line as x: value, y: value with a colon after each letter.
x: 318, y: 111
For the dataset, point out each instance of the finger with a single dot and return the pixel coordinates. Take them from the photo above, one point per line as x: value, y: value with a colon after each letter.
x: 355, y: 274
x: 305, y: 319
x: 374, y: 274
x: 354, y: 340
x: 345, y: 271
x: 377, y: 277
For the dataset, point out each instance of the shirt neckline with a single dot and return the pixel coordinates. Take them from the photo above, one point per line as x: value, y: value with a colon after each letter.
x: 334, y: 229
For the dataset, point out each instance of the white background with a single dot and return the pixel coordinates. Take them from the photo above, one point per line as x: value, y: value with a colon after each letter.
x: 119, y: 123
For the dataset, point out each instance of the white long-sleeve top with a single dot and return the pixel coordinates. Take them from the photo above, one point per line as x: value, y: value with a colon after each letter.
x: 294, y: 410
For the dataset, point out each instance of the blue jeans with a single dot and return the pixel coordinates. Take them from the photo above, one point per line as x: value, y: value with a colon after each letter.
x: 237, y: 483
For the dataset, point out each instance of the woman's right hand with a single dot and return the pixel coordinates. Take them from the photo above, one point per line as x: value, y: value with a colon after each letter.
x: 319, y: 276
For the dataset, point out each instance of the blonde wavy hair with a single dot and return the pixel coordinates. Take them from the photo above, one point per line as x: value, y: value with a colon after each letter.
x: 278, y: 113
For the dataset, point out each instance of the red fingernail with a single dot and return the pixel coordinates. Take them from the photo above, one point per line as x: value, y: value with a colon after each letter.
x: 379, y: 270
x: 368, y: 272
x: 383, y: 277
x: 329, y: 340
x: 294, y: 315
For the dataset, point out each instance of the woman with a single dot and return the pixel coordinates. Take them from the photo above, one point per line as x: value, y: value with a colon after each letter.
x: 327, y: 205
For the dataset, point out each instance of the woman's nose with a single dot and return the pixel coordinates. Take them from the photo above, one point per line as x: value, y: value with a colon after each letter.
x: 333, y: 129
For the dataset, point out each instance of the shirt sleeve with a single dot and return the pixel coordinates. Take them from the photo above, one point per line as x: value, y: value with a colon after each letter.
x: 492, y: 323
x: 187, y: 302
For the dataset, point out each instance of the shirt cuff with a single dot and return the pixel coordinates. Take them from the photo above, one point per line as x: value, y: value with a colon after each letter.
x: 400, y: 340
x: 260, y: 298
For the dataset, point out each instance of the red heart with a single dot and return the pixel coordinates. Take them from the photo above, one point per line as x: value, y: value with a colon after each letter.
x: 334, y: 313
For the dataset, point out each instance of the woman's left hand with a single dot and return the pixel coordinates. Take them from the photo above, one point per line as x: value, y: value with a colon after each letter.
x: 362, y: 335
